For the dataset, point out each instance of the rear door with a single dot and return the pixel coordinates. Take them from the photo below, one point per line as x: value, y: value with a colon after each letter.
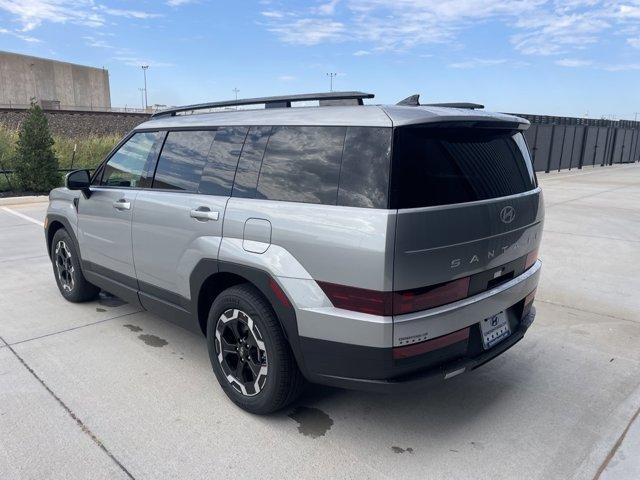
x: 179, y: 220
x: 104, y: 219
x: 467, y: 203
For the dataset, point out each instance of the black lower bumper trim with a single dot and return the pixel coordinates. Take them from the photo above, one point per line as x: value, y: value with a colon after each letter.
x: 422, y: 379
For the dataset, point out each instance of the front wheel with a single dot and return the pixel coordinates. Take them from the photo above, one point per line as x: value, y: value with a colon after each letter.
x: 66, y: 268
x: 249, y: 353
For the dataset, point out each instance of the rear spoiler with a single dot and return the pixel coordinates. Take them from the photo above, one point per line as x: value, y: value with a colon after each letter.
x: 414, y: 101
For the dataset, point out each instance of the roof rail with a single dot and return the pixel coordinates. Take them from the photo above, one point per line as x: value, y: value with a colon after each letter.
x: 284, y: 101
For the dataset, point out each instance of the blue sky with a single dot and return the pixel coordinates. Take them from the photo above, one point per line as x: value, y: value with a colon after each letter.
x: 572, y: 57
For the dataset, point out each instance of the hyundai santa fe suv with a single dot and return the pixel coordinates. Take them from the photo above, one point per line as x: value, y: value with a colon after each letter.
x: 360, y: 246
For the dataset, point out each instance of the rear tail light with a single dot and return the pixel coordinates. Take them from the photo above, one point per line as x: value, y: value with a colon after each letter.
x: 531, y: 259
x: 358, y: 299
x: 408, y: 301
x: 279, y: 293
x: 395, y: 303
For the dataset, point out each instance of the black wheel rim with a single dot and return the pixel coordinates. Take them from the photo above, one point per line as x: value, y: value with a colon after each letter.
x: 64, y: 266
x: 241, y: 352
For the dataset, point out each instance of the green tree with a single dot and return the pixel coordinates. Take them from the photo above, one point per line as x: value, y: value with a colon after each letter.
x: 36, y: 165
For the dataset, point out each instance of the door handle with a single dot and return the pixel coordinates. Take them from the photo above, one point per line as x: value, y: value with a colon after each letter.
x: 204, y: 214
x: 122, y: 204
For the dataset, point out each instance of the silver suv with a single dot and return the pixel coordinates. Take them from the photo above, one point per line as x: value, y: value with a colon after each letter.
x: 359, y: 246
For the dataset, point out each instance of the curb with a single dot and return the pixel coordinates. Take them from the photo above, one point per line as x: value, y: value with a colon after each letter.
x: 23, y: 200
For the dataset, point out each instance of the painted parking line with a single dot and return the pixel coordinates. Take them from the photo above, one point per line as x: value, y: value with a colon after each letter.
x: 23, y: 216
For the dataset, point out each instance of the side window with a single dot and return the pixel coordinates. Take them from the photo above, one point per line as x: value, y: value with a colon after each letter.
x: 366, y: 162
x: 183, y: 159
x: 246, y: 179
x: 126, y: 167
x: 302, y: 164
x: 218, y: 174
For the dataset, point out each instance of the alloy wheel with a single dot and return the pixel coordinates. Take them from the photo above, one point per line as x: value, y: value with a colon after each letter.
x: 64, y: 266
x: 241, y: 352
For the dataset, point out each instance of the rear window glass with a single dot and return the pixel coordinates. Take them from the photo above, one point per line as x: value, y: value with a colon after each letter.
x: 302, y: 164
x: 442, y: 166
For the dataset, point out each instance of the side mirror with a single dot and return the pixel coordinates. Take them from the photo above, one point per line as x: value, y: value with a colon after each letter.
x: 78, y: 180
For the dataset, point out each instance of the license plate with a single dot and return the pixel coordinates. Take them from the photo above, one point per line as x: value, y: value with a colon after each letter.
x: 494, y: 329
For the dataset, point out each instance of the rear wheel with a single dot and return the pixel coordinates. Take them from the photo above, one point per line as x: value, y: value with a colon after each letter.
x: 249, y: 353
x: 66, y: 268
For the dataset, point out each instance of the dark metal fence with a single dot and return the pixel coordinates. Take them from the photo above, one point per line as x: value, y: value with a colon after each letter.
x: 559, y: 143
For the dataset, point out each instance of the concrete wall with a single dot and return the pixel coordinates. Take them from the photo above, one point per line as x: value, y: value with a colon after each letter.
x: 75, y: 86
x: 78, y: 124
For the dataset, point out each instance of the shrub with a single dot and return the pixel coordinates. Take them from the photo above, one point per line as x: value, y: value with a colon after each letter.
x: 36, y: 165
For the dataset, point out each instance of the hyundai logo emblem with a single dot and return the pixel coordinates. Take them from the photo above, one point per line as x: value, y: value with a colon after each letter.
x: 507, y: 214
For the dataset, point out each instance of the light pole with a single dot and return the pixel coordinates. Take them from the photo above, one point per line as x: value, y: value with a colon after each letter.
x: 331, y: 75
x: 235, y: 90
x: 144, y: 72
x: 142, y: 90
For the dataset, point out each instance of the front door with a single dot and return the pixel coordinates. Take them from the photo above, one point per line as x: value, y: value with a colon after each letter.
x: 104, y: 218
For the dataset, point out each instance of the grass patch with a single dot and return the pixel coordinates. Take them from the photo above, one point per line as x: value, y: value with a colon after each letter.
x: 90, y: 151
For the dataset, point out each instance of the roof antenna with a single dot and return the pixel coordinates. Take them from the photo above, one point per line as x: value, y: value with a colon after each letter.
x: 412, y: 101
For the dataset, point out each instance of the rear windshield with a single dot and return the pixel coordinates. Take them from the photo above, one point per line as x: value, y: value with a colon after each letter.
x: 444, y: 165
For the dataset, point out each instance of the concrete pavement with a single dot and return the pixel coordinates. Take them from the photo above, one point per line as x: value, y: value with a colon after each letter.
x: 102, y: 390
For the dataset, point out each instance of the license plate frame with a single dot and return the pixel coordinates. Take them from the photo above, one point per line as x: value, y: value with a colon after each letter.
x: 494, y: 329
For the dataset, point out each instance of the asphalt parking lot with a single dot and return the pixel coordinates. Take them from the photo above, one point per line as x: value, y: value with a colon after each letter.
x: 101, y: 390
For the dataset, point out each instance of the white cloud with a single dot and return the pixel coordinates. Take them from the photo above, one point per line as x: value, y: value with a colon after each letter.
x: 478, y: 62
x: 328, y: 8
x: 273, y: 14
x: 135, y: 61
x: 309, y: 31
x: 116, y: 12
x: 287, y: 78
x: 573, y: 62
x: 97, y: 42
x: 634, y: 42
x: 30, y: 14
x: 21, y: 36
x: 178, y: 3
x: 361, y: 53
x: 622, y: 67
x: 538, y: 27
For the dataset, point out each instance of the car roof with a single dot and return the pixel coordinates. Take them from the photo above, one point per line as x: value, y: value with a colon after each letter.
x: 356, y: 115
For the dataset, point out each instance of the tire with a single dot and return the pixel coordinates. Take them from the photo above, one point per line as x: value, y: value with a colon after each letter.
x: 264, y: 376
x: 67, y: 270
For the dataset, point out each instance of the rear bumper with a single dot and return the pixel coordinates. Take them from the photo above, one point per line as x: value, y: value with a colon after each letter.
x: 428, y: 376
x: 360, y: 351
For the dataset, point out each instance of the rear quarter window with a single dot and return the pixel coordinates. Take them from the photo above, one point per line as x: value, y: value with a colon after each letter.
x: 364, y: 175
x: 443, y: 165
